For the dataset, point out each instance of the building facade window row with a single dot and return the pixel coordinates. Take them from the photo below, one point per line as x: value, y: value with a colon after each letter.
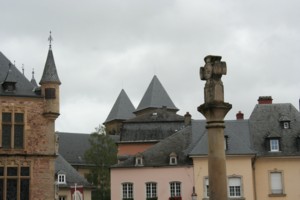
x: 150, y: 190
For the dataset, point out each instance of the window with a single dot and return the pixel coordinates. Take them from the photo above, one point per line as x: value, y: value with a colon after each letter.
x: 12, y: 130
x: 286, y: 125
x: 62, y: 198
x: 139, y: 160
x: 276, y: 183
x: 226, y: 142
x: 127, y: 190
x: 234, y: 186
x: 274, y: 144
x: 151, y: 190
x: 175, y: 189
x: 61, y: 178
x: 206, y: 187
x: 173, y: 158
x: 14, y: 182
x: 50, y: 93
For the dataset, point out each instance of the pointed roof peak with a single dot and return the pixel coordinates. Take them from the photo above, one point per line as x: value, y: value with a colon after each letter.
x: 33, y: 81
x: 50, y: 73
x: 122, y: 109
x: 156, y: 97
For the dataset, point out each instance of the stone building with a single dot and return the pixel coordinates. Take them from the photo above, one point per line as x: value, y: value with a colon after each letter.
x: 28, y: 142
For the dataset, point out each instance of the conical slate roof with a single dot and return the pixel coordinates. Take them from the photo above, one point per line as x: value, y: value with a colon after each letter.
x: 123, y: 108
x: 50, y: 73
x: 156, y: 97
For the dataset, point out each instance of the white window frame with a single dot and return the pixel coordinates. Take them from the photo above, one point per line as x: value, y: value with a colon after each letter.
x: 61, y: 178
x: 151, y: 189
x: 286, y: 125
x: 274, y: 145
x: 127, y: 190
x: 139, y: 161
x: 175, y: 189
x: 206, y: 187
x: 235, y: 186
x: 173, y: 160
x: 276, y: 183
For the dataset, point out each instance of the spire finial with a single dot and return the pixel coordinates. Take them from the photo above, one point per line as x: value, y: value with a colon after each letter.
x: 32, y: 73
x: 50, y: 39
x: 23, y: 69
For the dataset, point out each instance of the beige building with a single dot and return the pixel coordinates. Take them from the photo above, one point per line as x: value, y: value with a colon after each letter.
x: 262, y: 154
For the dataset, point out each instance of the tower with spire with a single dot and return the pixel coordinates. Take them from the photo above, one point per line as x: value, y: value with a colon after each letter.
x: 50, y: 85
x: 28, y: 143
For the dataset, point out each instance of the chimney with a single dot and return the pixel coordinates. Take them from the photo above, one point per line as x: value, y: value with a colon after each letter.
x: 265, y: 100
x: 187, y: 119
x: 239, y: 115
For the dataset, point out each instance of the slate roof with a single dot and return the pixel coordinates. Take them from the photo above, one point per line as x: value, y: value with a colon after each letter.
x: 158, y: 155
x: 50, y: 73
x: 23, y: 85
x: 72, y: 176
x: 265, y: 121
x: 192, y: 141
x: 122, y: 109
x: 156, y: 97
x: 239, y: 142
x: 73, y: 145
x: 151, y: 126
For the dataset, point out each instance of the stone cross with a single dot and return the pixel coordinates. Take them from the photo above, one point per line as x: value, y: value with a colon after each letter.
x: 212, y: 72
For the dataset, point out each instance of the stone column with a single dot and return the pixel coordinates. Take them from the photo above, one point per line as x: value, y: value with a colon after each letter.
x: 214, y: 109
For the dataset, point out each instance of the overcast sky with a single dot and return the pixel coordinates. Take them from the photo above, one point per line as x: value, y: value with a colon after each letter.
x: 101, y: 47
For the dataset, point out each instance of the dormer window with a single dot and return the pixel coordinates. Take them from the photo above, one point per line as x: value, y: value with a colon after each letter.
x: 272, y: 142
x: 274, y: 145
x: 61, y: 178
x: 173, y: 159
x: 285, y: 122
x: 286, y: 125
x: 139, y: 160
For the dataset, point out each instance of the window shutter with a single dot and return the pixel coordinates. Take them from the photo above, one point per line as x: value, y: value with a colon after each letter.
x: 234, y: 182
x: 276, y: 183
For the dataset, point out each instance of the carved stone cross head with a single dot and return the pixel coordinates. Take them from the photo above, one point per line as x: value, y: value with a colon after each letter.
x: 214, y: 68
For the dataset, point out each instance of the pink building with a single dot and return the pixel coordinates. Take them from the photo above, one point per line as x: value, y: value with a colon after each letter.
x: 161, y: 172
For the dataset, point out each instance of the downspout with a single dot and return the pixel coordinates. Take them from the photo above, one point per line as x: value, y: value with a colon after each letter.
x: 254, y: 177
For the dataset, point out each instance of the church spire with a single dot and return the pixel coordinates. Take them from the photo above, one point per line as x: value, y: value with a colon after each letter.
x: 50, y: 73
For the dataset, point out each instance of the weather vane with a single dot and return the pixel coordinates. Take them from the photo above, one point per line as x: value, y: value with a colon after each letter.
x: 50, y: 39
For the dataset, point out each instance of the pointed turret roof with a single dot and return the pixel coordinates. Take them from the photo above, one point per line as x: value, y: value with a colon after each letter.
x: 123, y: 108
x: 33, y: 81
x: 50, y: 73
x: 156, y: 97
